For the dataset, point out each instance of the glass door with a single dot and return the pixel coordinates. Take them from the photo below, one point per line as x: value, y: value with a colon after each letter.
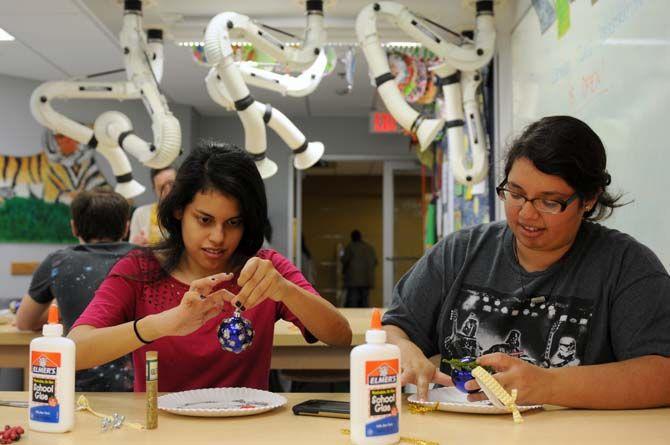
x: 403, y: 228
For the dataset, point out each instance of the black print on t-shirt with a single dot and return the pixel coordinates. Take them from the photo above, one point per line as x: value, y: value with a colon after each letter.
x: 548, y: 331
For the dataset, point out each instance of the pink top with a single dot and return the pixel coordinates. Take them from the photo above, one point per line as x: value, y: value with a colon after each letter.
x: 195, y: 360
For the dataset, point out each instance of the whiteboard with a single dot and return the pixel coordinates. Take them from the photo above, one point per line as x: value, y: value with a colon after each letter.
x: 612, y: 70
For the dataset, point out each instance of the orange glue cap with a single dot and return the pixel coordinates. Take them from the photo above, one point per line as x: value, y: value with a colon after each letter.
x: 53, y: 314
x: 376, y: 321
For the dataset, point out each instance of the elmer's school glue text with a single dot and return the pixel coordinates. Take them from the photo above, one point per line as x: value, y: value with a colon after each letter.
x: 375, y: 388
x: 51, y: 386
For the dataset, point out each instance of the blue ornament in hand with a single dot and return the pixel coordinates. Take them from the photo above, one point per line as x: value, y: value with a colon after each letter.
x: 462, y: 372
x: 235, y: 333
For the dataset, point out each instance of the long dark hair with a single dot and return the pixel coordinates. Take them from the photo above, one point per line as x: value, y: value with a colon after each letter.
x: 566, y: 147
x: 220, y: 167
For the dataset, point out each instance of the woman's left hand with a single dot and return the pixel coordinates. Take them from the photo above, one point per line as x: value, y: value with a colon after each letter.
x: 259, y: 280
x: 533, y: 384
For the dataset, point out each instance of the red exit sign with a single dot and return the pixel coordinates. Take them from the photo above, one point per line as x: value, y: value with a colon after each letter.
x: 381, y: 122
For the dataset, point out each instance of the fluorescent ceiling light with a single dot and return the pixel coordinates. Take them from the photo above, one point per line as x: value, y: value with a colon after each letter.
x: 637, y: 42
x: 5, y: 36
x: 191, y: 43
x: 403, y: 44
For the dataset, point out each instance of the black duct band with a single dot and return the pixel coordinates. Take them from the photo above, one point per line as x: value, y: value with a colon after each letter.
x: 132, y: 5
x: 484, y: 6
x: 268, y: 113
x: 314, y: 6
x: 301, y: 149
x: 124, y: 178
x: 257, y: 156
x: 379, y: 81
x: 244, y: 103
x: 454, y: 123
x: 154, y: 34
x: 417, y: 122
x: 454, y: 78
x: 93, y: 143
x: 123, y: 136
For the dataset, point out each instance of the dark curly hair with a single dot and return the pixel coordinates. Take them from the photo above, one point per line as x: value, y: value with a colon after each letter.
x: 565, y: 146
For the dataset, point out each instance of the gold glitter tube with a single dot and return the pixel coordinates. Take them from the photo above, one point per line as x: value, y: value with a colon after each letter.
x: 151, y: 376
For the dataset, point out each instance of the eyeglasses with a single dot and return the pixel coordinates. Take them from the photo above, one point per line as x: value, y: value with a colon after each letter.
x: 543, y: 205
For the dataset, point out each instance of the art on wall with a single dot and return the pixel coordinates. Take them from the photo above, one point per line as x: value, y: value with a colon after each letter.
x: 36, y: 190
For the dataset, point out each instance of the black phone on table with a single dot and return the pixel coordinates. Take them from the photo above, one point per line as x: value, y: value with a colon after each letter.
x: 325, y: 408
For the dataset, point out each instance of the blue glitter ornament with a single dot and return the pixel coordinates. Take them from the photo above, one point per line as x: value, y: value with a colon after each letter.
x: 235, y: 333
x: 460, y: 376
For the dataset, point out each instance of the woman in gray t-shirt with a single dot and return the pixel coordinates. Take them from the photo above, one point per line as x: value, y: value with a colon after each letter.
x: 564, y: 309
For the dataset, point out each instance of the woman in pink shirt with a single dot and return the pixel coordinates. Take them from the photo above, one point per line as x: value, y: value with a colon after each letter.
x: 172, y: 297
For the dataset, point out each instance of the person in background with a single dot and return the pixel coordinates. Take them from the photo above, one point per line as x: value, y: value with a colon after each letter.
x: 307, y: 261
x: 71, y: 276
x: 172, y: 297
x: 566, y: 311
x: 144, y: 228
x: 358, y: 268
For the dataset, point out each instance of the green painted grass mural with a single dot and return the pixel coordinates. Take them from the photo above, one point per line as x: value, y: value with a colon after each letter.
x: 31, y: 220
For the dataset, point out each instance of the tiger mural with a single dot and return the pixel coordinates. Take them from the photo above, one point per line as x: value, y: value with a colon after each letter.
x: 57, y: 174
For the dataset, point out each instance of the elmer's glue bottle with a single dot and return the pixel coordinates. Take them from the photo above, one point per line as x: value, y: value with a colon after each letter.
x: 51, y: 385
x: 375, y: 388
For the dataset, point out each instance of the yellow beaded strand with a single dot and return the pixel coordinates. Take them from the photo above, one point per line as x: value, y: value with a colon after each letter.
x: 84, y: 405
x: 402, y: 439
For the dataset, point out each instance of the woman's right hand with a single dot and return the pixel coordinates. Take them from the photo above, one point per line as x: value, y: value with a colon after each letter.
x: 418, y: 370
x: 198, y: 306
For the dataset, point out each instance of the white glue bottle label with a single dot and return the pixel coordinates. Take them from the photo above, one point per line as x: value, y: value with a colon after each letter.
x: 375, y: 388
x: 51, y: 383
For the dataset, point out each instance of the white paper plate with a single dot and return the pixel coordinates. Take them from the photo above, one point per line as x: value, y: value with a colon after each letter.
x: 451, y: 399
x: 220, y: 402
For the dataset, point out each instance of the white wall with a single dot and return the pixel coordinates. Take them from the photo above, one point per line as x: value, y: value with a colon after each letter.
x: 341, y: 136
x: 610, y: 69
x: 21, y: 135
x: 507, y: 19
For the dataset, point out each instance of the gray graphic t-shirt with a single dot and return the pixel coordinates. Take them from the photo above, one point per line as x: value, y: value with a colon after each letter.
x: 607, y: 299
x: 544, y: 330
x: 71, y: 276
